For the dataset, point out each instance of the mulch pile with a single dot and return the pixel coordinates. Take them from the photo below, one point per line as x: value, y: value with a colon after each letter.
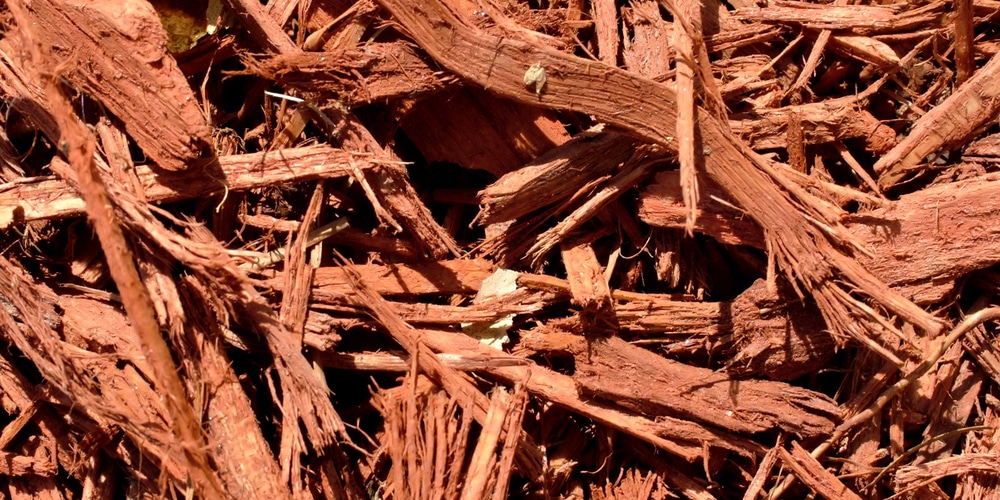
x: 476, y: 249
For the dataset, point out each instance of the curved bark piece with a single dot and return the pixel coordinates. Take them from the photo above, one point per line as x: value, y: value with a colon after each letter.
x: 115, y: 52
x: 807, y: 240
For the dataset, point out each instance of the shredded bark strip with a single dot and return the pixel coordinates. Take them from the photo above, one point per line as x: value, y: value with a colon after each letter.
x: 489, y: 249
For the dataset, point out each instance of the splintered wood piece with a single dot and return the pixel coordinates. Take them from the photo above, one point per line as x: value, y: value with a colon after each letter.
x: 425, y: 436
x: 504, y: 418
x: 953, y: 219
x: 605, y: 16
x: 660, y: 205
x: 27, y: 200
x: 822, y: 122
x: 298, y: 273
x: 773, y: 335
x: 79, y: 147
x: 629, y: 376
x: 679, y: 437
x: 389, y: 71
x: 554, y: 176
x: 947, y: 125
x: 512, y: 423
x: 686, y: 30
x: 442, y: 277
x: 985, y: 351
x: 588, y: 289
x: 390, y: 187
x: 264, y: 28
x: 399, y: 361
x: 981, y: 484
x: 862, y: 19
x: 481, y: 462
x: 914, y: 476
x: 864, y: 49
x: 12, y: 464
x: 246, y: 463
x: 956, y: 394
x: 519, y: 302
x: 636, y: 169
x: 646, y: 52
x: 814, y: 475
x: 116, y: 53
x: 964, y: 35
x: 811, y: 254
x: 460, y: 387
x: 125, y: 399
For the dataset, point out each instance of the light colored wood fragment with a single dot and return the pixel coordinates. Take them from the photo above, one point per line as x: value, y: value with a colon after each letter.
x: 814, y: 475
x: 864, y: 49
x: 47, y: 198
x: 554, y: 176
x: 588, y: 289
x: 605, y: 16
x: 966, y: 463
x: 948, y: 124
x: 686, y: 30
x: 863, y: 19
x: 401, y: 362
x: 264, y: 28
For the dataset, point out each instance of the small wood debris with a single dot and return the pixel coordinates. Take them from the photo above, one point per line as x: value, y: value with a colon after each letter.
x: 490, y: 249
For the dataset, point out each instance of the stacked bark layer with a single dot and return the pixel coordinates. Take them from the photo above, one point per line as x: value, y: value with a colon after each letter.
x: 719, y: 249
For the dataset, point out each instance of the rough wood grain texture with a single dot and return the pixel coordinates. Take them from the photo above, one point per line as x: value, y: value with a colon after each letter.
x: 390, y: 186
x: 862, y: 19
x: 389, y: 71
x: 262, y: 25
x: 293, y: 384
x: 954, y: 219
x: 555, y: 176
x: 605, y: 16
x: 981, y: 484
x: 618, y: 372
x: 646, y: 52
x: 822, y: 122
x: 648, y: 109
x: 588, y: 289
x: 470, y: 398
x: 812, y: 473
x: 116, y: 53
x: 32, y: 199
x: 679, y: 437
x: 974, y: 103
